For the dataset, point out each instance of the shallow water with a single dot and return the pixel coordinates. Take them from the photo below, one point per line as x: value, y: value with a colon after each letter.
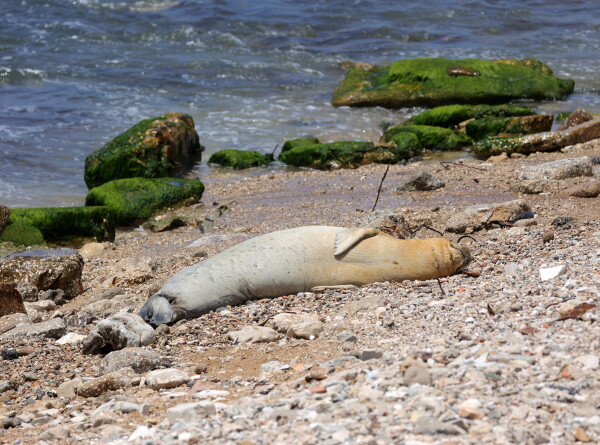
x: 75, y: 73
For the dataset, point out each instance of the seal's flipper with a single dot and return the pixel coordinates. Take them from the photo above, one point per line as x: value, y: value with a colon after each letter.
x: 346, y: 238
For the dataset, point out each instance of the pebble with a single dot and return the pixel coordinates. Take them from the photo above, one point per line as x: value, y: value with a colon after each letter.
x: 254, y: 334
x: 166, y: 378
x: 417, y: 374
x: 190, y: 412
x: 547, y: 273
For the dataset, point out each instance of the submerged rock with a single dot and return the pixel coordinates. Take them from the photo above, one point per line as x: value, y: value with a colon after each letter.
x: 139, y: 198
x: 436, y: 81
x: 239, y: 159
x: 422, y: 181
x: 45, y: 270
x: 152, y: 148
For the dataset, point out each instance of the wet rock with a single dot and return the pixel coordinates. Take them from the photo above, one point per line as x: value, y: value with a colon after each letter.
x: 54, y: 328
x: 427, y: 424
x: 422, y: 181
x: 45, y: 269
x: 559, y: 169
x: 587, y: 190
x: 577, y: 117
x: 10, y: 300
x: 9, y: 322
x: 139, y: 359
x: 122, y: 378
x: 417, y: 374
x: 4, y: 215
x: 533, y: 186
x: 166, y: 378
x: 254, y: 334
x: 117, y: 332
x: 388, y: 222
x: 191, y: 412
x: 164, y: 224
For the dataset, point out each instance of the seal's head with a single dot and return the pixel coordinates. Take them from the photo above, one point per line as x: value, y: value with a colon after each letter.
x: 460, y: 255
x: 157, y: 311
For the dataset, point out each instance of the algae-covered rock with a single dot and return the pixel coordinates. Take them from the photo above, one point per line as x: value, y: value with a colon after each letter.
x: 407, y: 144
x: 33, y: 226
x: 350, y: 154
x: 239, y: 159
x: 138, y: 198
x: 450, y: 116
x: 433, y: 138
x: 435, y: 81
x: 509, y: 126
x: 546, y: 141
x: 298, y: 142
x: 153, y: 148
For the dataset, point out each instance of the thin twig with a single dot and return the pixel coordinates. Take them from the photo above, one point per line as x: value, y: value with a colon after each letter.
x: 443, y: 164
x: 465, y: 236
x: 423, y: 226
x: 380, y: 185
x: 274, y: 150
x: 441, y: 288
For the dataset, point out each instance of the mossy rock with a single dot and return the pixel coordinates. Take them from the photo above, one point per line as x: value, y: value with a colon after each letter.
x: 509, y: 126
x: 450, y: 116
x: 153, y: 148
x: 239, y: 159
x: 435, y: 81
x: 60, y: 223
x: 431, y: 138
x: 298, y: 142
x: 407, y: 145
x: 349, y: 154
x: 22, y: 234
x: 139, y: 198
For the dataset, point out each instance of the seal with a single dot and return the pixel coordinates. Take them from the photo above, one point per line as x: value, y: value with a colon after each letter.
x: 296, y: 260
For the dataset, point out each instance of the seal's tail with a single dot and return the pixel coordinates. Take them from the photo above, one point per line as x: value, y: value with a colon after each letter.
x: 157, y: 311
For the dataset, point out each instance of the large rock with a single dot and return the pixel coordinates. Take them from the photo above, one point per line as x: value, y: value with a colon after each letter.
x: 123, y: 378
x: 10, y: 300
x: 254, y: 334
x: 54, y: 328
x: 239, y: 159
x: 560, y: 169
x: 9, y: 322
x: 509, y: 126
x: 432, y: 82
x: 450, y: 116
x: 122, y: 330
x: 546, y: 141
x: 45, y: 269
x: 138, y: 198
x: 32, y: 226
x: 153, y: 148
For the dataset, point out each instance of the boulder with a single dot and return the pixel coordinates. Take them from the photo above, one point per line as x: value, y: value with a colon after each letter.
x: 10, y: 300
x: 45, y: 269
x: 299, y: 142
x: 122, y: 330
x: 450, y: 116
x: 577, y: 117
x: 350, y: 154
x: 429, y: 137
x: 9, y: 322
x: 435, y: 81
x: 239, y: 159
x: 545, y: 141
x: 559, y: 169
x: 31, y: 226
x: 138, y: 198
x: 508, y: 126
x: 422, y: 181
x: 4, y: 215
x: 54, y: 328
x: 589, y: 189
x: 153, y: 148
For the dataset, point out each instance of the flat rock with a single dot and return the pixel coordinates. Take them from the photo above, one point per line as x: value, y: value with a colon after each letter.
x: 254, y: 334
x: 45, y: 269
x: 10, y: 300
x: 559, y: 169
x: 139, y: 359
x: 589, y: 189
x: 166, y: 378
x: 123, y: 378
x: 547, y: 273
x: 9, y: 322
x: 420, y: 182
x: 191, y: 412
x: 533, y: 186
x: 120, y: 331
x: 54, y: 328
x: 427, y: 424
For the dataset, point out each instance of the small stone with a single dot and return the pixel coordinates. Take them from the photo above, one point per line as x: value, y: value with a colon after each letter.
x: 422, y: 181
x: 120, y: 331
x: 511, y: 269
x: 581, y: 435
x: 254, y: 334
x: 139, y: 359
x: 308, y: 330
x: 547, y: 273
x: 417, y: 374
x: 9, y: 322
x: 499, y: 158
x: 166, y: 378
x: 587, y: 190
x: 317, y: 373
x: 54, y: 328
x: 548, y: 236
x: 560, y: 169
x: 92, y: 250
x: 71, y: 339
x: 589, y: 361
x: 318, y: 389
x: 191, y: 412
x: 533, y: 186
x: 427, y: 424
x: 68, y: 389
x: 371, y: 354
x: 347, y: 336
x: 122, y: 378
x: 270, y: 367
x: 471, y: 409
x: 525, y: 223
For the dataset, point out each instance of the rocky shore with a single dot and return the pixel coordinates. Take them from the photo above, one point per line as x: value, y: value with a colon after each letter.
x: 506, y: 353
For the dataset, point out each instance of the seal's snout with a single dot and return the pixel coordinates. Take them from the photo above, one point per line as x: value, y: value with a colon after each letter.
x: 461, y: 254
x: 157, y: 311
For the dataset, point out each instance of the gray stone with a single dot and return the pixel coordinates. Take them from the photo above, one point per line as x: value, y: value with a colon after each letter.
x: 122, y: 330
x: 339, y: 361
x: 417, y: 374
x: 560, y: 169
x: 54, y: 328
x: 139, y: 359
x: 254, y: 334
x: 166, y: 378
x: 122, y: 378
x: 422, y: 181
x: 371, y: 354
x: 309, y: 329
x: 427, y: 424
x: 9, y: 322
x: 347, y: 336
x: 533, y: 186
x: 270, y: 367
x: 45, y: 269
x: 191, y: 412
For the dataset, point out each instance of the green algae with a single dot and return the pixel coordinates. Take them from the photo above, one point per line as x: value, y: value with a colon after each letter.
x: 20, y: 233
x: 450, y: 116
x: 432, y: 82
x: 152, y: 148
x: 139, y: 198
x: 239, y: 159
x: 298, y: 142
x: 407, y: 145
x: 431, y: 138
x: 508, y: 126
x: 347, y: 154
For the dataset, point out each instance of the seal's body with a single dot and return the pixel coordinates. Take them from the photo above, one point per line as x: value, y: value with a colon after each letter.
x: 296, y: 260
